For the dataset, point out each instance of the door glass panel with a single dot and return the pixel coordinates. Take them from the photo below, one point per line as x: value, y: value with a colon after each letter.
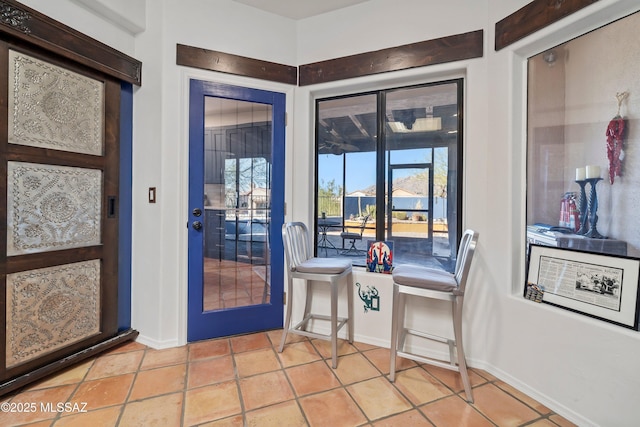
x: 237, y: 174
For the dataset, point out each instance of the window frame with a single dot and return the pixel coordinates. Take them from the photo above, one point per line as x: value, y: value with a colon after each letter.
x: 381, y: 153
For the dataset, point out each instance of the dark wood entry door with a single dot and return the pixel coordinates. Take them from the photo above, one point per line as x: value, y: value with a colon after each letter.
x: 59, y: 155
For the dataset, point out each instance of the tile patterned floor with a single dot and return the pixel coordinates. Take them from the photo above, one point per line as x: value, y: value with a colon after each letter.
x: 244, y: 381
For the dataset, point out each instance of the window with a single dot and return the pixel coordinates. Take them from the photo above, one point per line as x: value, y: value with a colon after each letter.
x: 581, y: 156
x: 388, y: 168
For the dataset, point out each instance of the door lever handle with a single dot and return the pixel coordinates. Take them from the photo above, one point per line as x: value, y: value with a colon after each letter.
x: 197, y: 225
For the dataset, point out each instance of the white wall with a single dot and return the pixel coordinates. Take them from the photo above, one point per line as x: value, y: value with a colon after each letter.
x: 161, y: 140
x: 77, y: 15
x: 379, y: 24
x: 585, y: 369
x: 557, y: 356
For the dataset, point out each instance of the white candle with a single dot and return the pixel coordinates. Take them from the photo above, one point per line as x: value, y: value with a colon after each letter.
x: 581, y: 174
x: 593, y: 172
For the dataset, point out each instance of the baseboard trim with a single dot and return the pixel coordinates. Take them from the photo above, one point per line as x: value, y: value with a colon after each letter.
x: 542, y: 398
x: 157, y: 344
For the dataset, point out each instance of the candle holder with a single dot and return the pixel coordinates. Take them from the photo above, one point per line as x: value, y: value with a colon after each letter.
x: 584, y: 213
x: 593, y: 209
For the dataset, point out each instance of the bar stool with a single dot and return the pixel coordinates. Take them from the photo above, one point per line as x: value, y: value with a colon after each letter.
x: 425, y: 282
x: 302, y: 265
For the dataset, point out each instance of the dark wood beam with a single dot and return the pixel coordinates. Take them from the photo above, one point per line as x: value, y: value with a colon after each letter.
x: 437, y: 51
x: 533, y: 17
x: 212, y: 60
x: 31, y: 26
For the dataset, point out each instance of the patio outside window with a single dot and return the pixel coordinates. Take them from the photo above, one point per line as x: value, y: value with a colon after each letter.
x: 388, y: 166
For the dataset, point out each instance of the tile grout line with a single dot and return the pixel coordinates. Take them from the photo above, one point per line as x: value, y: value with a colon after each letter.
x: 185, y: 387
x: 58, y: 416
x: 271, y: 343
x: 296, y: 398
x: 344, y: 386
x: 236, y: 376
x: 396, y: 388
x: 133, y: 382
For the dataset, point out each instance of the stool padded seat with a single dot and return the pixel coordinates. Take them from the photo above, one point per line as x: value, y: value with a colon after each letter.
x: 424, y: 277
x: 324, y: 266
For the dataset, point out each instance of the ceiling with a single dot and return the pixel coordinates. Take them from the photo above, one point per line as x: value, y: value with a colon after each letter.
x: 299, y: 9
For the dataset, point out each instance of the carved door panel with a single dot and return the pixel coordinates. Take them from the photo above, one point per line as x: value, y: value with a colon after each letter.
x: 59, y: 186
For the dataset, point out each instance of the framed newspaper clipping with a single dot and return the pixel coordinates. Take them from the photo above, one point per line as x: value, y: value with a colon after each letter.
x: 601, y: 286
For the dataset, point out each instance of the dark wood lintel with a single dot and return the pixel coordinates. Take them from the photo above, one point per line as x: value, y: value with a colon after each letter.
x: 533, y: 17
x: 437, y: 51
x: 212, y: 60
x: 31, y: 26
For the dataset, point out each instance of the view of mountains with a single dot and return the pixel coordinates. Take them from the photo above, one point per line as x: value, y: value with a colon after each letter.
x: 414, y: 184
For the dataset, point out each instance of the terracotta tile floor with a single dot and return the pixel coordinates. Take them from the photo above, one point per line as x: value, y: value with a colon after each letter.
x: 244, y: 381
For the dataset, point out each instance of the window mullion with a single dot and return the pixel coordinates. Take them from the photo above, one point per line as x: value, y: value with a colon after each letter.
x: 380, y: 165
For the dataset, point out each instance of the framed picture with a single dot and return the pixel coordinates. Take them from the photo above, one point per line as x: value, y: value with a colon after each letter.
x: 598, y: 285
x: 380, y: 257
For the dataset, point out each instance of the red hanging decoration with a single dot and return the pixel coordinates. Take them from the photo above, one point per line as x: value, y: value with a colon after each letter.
x: 615, y: 132
x: 615, y: 136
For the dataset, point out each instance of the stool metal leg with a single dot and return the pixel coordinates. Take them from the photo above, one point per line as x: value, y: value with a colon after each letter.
x: 457, y: 331
x: 307, y: 305
x: 287, y: 320
x: 402, y: 331
x: 396, y: 324
x: 334, y: 325
x: 350, y: 307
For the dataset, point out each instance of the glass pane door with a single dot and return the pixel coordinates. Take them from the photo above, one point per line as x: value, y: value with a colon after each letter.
x: 236, y: 210
x: 237, y: 203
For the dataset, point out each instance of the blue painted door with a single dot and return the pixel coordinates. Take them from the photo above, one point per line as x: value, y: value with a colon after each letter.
x: 236, y: 210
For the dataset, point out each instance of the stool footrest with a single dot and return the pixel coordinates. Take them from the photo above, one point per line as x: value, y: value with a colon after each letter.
x: 428, y: 336
x: 450, y: 364
x: 298, y: 328
x: 429, y: 361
